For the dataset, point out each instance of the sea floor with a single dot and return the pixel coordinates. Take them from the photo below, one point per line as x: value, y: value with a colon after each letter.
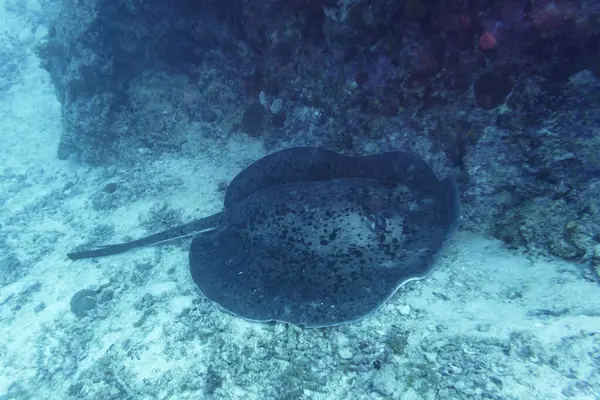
x: 488, y: 323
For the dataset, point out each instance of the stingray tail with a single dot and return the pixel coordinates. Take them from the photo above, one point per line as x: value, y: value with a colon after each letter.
x: 197, y: 227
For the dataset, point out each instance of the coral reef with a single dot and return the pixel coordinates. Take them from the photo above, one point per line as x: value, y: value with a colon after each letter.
x: 501, y: 94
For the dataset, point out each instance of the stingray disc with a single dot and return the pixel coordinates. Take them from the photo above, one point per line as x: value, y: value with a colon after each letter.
x: 321, y: 253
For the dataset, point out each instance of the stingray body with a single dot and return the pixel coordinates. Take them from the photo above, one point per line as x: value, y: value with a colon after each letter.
x: 315, y: 238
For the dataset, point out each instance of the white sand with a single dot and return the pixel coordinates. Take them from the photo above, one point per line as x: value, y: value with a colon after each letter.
x: 488, y: 323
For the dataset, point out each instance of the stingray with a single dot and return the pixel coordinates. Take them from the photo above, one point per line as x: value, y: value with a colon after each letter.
x: 311, y: 237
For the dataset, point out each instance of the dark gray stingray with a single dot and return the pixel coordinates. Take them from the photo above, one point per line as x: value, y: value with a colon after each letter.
x: 312, y: 237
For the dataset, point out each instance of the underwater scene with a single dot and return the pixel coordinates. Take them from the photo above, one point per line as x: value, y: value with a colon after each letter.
x: 300, y: 199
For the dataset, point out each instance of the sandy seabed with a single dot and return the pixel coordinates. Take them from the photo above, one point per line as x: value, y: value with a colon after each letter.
x: 487, y: 323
